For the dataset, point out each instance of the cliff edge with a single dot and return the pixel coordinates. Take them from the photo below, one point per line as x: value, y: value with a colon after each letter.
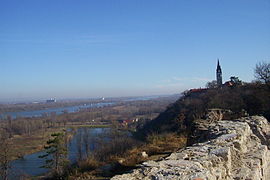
x: 234, y: 149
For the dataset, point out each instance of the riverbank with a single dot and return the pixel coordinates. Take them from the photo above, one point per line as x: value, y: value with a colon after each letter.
x: 77, y: 147
x: 21, y: 107
x: 123, y: 154
x: 22, y: 145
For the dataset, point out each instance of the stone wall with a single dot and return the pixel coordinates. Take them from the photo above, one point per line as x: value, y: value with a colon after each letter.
x: 236, y: 149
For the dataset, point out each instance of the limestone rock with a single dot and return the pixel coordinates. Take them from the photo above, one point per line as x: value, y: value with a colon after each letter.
x: 236, y: 149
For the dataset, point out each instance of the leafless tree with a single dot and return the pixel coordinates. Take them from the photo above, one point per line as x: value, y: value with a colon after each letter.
x: 262, y: 72
x: 212, y: 84
x: 79, y: 145
x: 86, y: 140
x: 5, y: 155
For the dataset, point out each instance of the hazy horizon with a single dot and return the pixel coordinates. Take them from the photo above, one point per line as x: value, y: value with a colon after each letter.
x: 60, y: 99
x: 88, y: 49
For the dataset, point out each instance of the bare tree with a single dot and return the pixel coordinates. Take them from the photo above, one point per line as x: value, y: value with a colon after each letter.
x: 5, y: 155
x: 79, y: 145
x: 262, y: 72
x: 86, y: 140
x: 212, y: 84
x: 235, y: 80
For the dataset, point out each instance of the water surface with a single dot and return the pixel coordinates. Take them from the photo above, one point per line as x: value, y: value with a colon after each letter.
x: 84, y: 139
x: 57, y: 111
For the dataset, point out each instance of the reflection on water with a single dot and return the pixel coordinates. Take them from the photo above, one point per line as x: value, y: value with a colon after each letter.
x: 83, y: 142
x: 29, y: 165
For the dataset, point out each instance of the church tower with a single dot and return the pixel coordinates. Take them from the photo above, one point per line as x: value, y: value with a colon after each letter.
x: 219, y: 75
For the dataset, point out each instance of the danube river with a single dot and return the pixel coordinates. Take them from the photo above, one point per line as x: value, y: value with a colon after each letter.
x: 48, y: 111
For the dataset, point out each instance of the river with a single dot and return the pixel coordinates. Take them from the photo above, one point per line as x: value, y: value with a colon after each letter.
x: 83, y: 142
x: 30, y: 164
x: 69, y: 109
x: 48, y: 111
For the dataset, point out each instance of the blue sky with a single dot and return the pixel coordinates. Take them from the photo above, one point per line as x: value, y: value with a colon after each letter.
x: 95, y: 48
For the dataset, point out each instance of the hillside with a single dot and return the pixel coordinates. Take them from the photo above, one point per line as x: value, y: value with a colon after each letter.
x: 237, y: 101
x: 235, y: 149
x: 225, y: 138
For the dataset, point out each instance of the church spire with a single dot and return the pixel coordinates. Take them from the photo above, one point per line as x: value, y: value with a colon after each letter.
x: 219, y: 74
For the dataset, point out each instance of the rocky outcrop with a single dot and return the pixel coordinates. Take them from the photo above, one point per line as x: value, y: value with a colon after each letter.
x: 235, y: 149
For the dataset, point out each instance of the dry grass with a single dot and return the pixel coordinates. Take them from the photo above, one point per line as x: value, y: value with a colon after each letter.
x: 156, y: 147
x: 119, y: 108
x: 24, y: 144
x: 164, y: 143
x: 89, y: 164
x: 133, y: 157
